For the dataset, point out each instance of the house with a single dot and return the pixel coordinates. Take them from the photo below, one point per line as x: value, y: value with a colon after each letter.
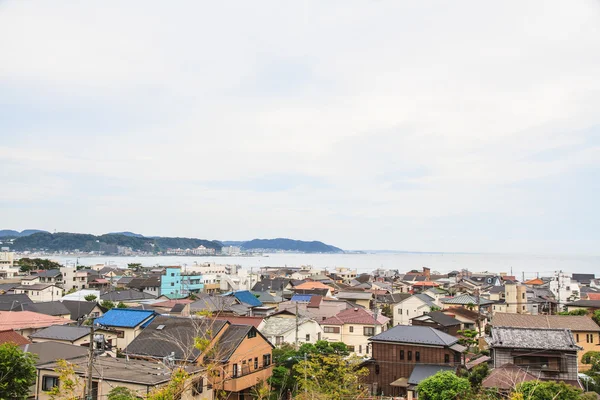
x: 279, y: 330
x: 240, y: 354
x: 51, y: 351
x: 28, y: 322
x: 466, y: 300
x: 585, y: 331
x: 147, y: 284
x: 267, y: 299
x: 353, y: 327
x: 565, y: 289
x: 10, y: 336
x: 53, y: 276
x: 314, y: 285
x: 138, y: 375
x: 413, y: 306
x: 583, y: 279
x: 126, y: 322
x: 359, y: 298
x: 77, y: 278
x: 40, y: 292
x: 76, y: 335
x: 128, y: 297
x: 589, y: 305
x: 218, y: 305
x: 405, y: 355
x: 469, y: 319
x: 54, y: 308
x: 439, y: 321
x: 550, y: 354
x: 506, y: 377
x: 83, y: 309
x: 313, y: 306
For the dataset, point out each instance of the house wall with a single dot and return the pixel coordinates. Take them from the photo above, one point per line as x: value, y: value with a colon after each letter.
x: 51, y: 293
x: 310, y: 328
x: 590, y: 341
x: 503, y: 356
x: 353, y: 336
x: 409, y: 308
x: 170, y: 283
x: 387, y: 357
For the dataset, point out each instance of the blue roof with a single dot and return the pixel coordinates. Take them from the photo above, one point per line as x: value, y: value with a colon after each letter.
x: 304, y: 298
x: 246, y: 297
x: 124, y: 317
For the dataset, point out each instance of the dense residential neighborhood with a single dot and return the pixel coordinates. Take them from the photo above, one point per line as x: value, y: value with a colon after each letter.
x: 230, y: 332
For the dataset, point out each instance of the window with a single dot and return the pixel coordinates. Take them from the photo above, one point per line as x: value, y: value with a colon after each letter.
x: 360, y: 349
x: 235, y: 370
x: 278, y: 339
x: 351, y: 329
x: 198, y: 386
x: 252, y: 333
x: 407, y: 311
x: 577, y: 337
x: 457, y: 357
x: 255, y: 362
x: 369, y: 331
x: 523, y: 296
x: 417, y: 356
x: 172, y: 283
x: 377, y: 369
x: 400, y: 311
x: 402, y: 354
x: 331, y: 329
x: 48, y: 382
x: 172, y: 273
x: 308, y: 337
x: 446, y: 358
x: 120, y: 334
x: 409, y: 355
x: 351, y: 349
x: 266, y: 360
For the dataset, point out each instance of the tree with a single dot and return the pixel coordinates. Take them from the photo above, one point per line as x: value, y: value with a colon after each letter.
x: 121, y: 305
x: 536, y: 390
x: 478, y: 374
x: 70, y: 387
x: 444, y: 386
x: 90, y: 297
x: 17, y: 372
x: 134, y: 266
x: 107, y: 304
x: 468, y: 338
x: 596, y: 317
x: 121, y: 393
x: 32, y: 264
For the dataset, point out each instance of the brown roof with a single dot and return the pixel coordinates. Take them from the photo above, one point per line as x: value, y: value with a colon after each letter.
x: 313, y: 285
x: 28, y: 319
x: 463, y: 312
x: 354, y: 316
x: 315, y: 301
x: 254, y: 321
x: 13, y: 337
x: 573, y: 322
x: 534, y: 282
x: 507, y: 377
x: 593, y: 296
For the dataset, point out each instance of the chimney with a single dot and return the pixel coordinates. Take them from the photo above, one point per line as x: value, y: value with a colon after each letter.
x: 427, y: 273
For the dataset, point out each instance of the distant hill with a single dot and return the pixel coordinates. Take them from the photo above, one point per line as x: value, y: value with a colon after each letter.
x: 11, y: 233
x: 130, y: 234
x: 107, y: 243
x: 290, y: 245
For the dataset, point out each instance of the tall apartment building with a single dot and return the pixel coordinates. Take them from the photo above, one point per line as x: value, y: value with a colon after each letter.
x: 7, y: 264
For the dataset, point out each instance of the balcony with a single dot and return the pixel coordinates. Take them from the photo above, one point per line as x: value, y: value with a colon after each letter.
x: 247, y: 379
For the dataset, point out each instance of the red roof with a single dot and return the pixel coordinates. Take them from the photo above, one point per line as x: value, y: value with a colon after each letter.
x: 13, y: 337
x: 313, y: 285
x: 593, y: 296
x: 315, y: 301
x: 425, y: 283
x: 254, y: 321
x: 28, y: 319
x: 354, y: 316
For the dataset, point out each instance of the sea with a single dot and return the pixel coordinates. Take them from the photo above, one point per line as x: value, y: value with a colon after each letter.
x: 521, y: 266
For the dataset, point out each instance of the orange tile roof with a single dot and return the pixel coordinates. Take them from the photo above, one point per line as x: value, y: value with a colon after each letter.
x: 12, y: 337
x: 535, y: 281
x: 425, y: 283
x: 28, y: 319
x: 593, y: 296
x: 313, y: 285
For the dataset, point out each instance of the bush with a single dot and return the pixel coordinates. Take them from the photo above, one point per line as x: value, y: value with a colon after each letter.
x: 444, y: 386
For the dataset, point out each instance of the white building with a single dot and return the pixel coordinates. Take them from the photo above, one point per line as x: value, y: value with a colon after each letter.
x: 413, y: 306
x: 564, y: 289
x: 281, y: 330
x: 7, y: 264
x: 231, y: 250
x: 40, y: 292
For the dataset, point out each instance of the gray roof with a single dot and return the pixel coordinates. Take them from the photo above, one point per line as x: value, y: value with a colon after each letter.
x: 266, y: 297
x: 439, y: 318
x: 276, y: 326
x: 126, y: 295
x: 78, y: 309
x: 5, y: 287
x: 167, y: 334
x: 533, y: 338
x: 426, y: 299
x: 52, y: 351
x: 585, y: 303
x: 10, y: 302
x: 207, y: 302
x: 230, y: 340
x: 393, y: 298
x: 48, y: 308
x: 49, y: 273
x: 36, y: 286
x: 415, y: 335
x: 355, y: 295
x: 497, y: 289
x: 465, y: 299
x: 177, y: 308
x: 61, y: 332
x: 271, y: 285
x: 423, y: 371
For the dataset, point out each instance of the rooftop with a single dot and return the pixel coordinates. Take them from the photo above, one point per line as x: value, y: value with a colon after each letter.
x: 585, y: 303
x: 533, y: 338
x: 573, y: 322
x: 355, y: 315
x: 416, y: 335
x: 62, y: 332
x: 28, y: 319
x: 124, y: 317
x: 10, y: 336
x: 48, y: 308
x: 52, y: 351
x: 439, y: 318
x: 465, y: 299
x: 126, y: 295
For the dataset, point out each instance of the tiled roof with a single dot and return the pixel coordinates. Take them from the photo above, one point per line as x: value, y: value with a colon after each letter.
x: 124, y: 317
x: 254, y: 321
x: 506, y: 377
x: 78, y: 309
x: 356, y: 315
x: 48, y: 308
x: 58, y: 332
x: 10, y: 336
x: 231, y: 339
x: 425, y: 299
x: 583, y: 278
x: 423, y: 371
x: 463, y: 312
x: 207, y: 302
x: 50, y: 273
x: 171, y: 303
x: 416, y: 335
x: 244, y: 296
x: 37, y: 286
x: 355, y: 295
x: 593, y: 296
x: 320, y: 292
x: 28, y: 319
x: 271, y: 285
x: 439, y: 318
x: 573, y: 322
x: 534, y: 282
x: 465, y: 299
x: 393, y: 298
x: 585, y: 303
x: 533, y: 338
x: 52, y: 351
x: 266, y: 297
x: 315, y: 301
x: 313, y: 285
x: 13, y: 301
x: 169, y: 334
x: 276, y: 326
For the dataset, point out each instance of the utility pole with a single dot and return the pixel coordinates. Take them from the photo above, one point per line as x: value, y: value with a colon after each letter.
x: 297, y: 325
x: 90, y: 363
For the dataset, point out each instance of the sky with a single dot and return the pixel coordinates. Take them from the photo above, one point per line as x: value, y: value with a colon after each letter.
x: 463, y: 126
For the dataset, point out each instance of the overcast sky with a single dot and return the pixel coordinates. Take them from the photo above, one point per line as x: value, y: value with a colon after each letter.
x: 430, y: 126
